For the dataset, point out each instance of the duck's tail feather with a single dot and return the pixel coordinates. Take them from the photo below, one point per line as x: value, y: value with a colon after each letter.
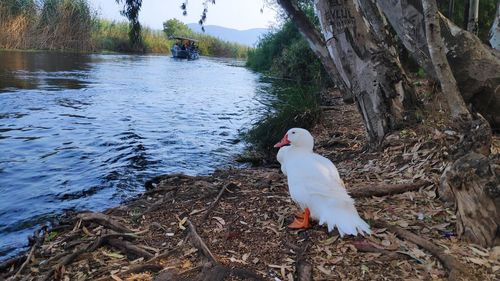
x: 346, y: 219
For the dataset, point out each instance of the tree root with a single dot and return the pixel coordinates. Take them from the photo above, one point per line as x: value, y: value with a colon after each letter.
x: 105, y: 221
x: 383, y: 190
x: 454, y: 267
x: 129, y: 248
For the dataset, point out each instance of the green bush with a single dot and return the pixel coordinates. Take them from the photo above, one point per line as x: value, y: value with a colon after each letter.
x: 294, y: 106
x: 285, y: 54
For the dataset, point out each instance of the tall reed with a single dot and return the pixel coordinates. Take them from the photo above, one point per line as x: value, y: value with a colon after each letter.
x: 48, y: 24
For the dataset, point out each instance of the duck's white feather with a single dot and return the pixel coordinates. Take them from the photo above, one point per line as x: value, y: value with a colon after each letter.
x: 315, y: 183
x: 281, y: 158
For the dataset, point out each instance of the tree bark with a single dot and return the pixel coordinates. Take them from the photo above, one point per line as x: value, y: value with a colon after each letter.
x: 475, y: 66
x: 317, y: 44
x: 473, y: 23
x: 368, y: 65
x: 441, y: 67
x: 474, y: 182
x: 495, y: 29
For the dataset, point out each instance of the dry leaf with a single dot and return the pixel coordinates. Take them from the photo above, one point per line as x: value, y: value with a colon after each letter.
x: 220, y: 220
x: 113, y: 255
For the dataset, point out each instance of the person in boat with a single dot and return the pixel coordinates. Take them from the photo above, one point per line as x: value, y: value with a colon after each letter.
x: 175, y: 48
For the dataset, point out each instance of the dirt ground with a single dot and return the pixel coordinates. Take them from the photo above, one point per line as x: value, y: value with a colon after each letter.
x: 240, y: 217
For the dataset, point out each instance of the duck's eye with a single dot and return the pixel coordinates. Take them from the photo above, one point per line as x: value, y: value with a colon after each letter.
x: 293, y: 132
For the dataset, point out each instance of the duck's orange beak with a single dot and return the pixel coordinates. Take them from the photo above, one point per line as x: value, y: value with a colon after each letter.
x: 284, y: 141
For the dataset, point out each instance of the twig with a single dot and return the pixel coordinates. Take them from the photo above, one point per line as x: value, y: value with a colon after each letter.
x: 455, y: 268
x: 382, y: 190
x: 28, y: 258
x: 212, y: 206
x: 38, y: 241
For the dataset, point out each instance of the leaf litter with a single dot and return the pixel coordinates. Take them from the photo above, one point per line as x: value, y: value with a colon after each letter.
x: 243, y: 233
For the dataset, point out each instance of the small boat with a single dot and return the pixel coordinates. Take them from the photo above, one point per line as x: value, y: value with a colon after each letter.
x: 185, y: 48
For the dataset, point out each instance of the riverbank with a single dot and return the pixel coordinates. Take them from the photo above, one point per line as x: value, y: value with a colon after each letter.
x: 233, y: 222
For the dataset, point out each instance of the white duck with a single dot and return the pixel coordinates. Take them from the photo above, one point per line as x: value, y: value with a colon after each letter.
x: 314, y: 183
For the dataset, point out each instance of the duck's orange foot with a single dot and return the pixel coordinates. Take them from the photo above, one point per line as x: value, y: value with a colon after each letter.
x: 301, y: 220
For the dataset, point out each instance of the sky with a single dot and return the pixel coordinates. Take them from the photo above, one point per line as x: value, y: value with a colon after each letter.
x: 237, y: 14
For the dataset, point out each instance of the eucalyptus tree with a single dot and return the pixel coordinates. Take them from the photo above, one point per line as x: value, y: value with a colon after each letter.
x: 494, y: 35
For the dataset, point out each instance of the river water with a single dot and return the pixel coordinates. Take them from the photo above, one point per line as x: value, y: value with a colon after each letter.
x: 86, y: 131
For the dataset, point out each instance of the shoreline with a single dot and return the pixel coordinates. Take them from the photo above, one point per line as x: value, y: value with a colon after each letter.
x: 232, y: 224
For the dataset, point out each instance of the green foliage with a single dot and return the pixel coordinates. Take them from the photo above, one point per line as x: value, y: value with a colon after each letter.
x: 487, y: 9
x: 421, y: 73
x: 284, y: 53
x: 175, y: 27
x: 51, y: 236
x: 296, y: 106
x: 114, y: 36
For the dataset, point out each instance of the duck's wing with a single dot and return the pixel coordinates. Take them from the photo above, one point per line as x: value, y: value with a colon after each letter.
x: 319, y: 177
x: 281, y: 157
x: 329, y: 170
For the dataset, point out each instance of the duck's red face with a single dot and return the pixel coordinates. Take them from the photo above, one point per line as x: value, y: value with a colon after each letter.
x: 284, y: 141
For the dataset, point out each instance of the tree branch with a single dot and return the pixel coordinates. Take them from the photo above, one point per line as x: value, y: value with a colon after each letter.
x: 440, y: 62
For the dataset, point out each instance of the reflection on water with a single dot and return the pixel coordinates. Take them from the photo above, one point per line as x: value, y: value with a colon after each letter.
x: 50, y: 71
x: 86, y: 131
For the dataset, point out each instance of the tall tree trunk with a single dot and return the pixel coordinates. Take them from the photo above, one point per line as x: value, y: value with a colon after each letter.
x: 495, y: 29
x: 441, y: 67
x: 473, y: 22
x: 471, y: 178
x: 451, y: 8
x: 317, y: 44
x: 475, y: 66
x: 367, y: 65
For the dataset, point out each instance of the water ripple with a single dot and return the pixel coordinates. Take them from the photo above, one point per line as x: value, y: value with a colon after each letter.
x: 86, y: 131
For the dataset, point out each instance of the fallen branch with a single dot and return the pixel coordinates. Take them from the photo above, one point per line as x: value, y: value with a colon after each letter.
x: 105, y: 221
x: 383, y: 190
x: 212, y: 206
x: 454, y: 267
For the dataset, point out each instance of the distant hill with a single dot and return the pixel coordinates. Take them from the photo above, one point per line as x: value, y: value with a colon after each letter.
x: 246, y: 37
